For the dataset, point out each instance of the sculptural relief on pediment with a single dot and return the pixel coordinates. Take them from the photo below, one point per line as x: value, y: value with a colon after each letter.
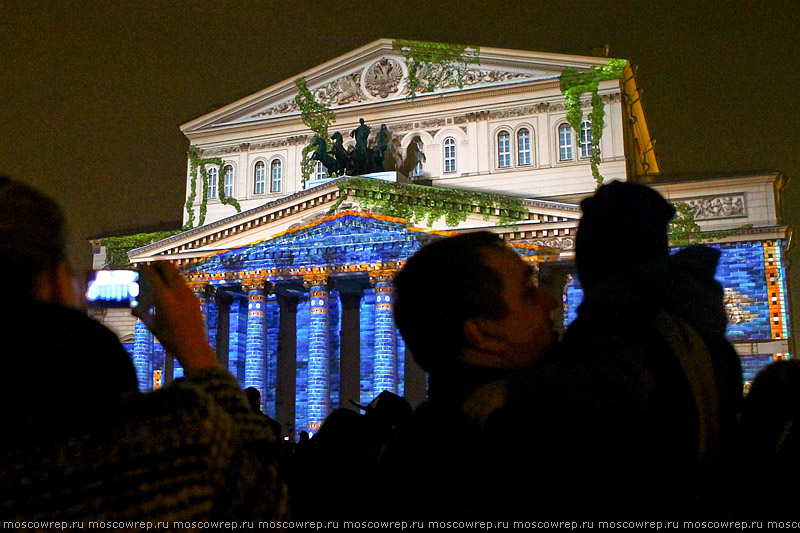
x: 713, y: 207
x: 383, y: 77
x: 344, y: 90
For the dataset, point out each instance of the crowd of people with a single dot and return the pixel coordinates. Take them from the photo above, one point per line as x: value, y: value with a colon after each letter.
x: 636, y: 412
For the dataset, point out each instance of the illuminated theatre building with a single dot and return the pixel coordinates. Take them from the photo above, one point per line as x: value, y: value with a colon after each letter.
x: 296, y: 287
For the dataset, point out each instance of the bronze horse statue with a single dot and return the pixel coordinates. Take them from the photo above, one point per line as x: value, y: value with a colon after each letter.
x: 321, y: 154
x: 344, y: 160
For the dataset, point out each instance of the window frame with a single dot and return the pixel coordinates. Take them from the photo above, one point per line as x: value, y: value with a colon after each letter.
x: 259, y: 177
x: 449, y: 160
x: 212, y: 180
x: 528, y: 151
x: 320, y: 172
x: 504, y: 149
x: 228, y: 185
x: 275, y: 164
x: 564, y: 129
x: 585, y: 149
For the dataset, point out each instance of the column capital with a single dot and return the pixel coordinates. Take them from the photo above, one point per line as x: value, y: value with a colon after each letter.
x: 258, y: 284
x: 377, y: 276
x: 317, y: 280
x: 198, y: 287
x: 222, y: 298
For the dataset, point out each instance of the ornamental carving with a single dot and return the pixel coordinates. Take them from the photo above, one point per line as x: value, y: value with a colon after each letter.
x: 711, y: 207
x: 433, y: 123
x: 223, y: 150
x: 280, y: 109
x: 383, y: 77
x: 470, y: 78
x: 344, y: 90
x: 561, y: 243
x: 278, y: 143
x: 483, y: 77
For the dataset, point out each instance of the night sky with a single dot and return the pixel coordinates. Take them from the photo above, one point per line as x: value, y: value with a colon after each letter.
x: 93, y: 93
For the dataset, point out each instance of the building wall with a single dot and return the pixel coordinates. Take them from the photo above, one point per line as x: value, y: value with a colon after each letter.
x: 475, y: 125
x: 752, y: 277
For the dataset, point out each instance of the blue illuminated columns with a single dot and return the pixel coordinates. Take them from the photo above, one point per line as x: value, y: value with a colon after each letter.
x: 143, y: 356
x: 385, y: 369
x: 319, y: 401
x: 255, y: 374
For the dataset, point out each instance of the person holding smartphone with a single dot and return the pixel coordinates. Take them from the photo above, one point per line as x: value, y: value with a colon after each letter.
x: 78, y: 441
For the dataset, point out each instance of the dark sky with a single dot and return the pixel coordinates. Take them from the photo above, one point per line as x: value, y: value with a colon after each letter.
x: 93, y: 92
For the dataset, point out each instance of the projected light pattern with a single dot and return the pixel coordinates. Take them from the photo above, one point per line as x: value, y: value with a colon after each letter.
x: 752, y: 275
x: 358, y: 249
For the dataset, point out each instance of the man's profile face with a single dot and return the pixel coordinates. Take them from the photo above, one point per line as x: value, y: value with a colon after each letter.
x: 526, y: 330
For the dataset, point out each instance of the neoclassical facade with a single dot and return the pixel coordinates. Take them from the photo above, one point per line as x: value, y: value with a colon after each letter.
x: 296, y: 282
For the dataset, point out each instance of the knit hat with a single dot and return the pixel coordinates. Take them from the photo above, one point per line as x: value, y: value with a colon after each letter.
x: 623, y: 224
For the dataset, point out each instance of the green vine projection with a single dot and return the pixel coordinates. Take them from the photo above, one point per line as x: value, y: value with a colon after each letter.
x: 317, y: 118
x: 574, y: 84
x: 684, y: 230
x: 430, y: 64
x: 417, y: 203
x: 117, y: 248
x: 199, y: 163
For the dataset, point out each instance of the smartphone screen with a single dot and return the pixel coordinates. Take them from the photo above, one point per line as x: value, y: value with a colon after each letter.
x: 113, y: 288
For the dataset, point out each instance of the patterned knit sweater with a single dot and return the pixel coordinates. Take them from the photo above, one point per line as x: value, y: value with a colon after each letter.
x: 193, y: 452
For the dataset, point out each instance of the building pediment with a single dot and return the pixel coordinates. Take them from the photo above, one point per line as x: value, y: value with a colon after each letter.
x: 377, y: 73
x: 359, y: 195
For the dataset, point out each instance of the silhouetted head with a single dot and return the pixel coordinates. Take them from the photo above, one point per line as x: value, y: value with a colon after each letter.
x: 33, y: 255
x: 623, y: 224
x: 470, y: 299
x: 253, y: 398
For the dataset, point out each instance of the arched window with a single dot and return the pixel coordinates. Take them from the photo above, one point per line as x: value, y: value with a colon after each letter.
x: 450, y: 154
x: 213, y: 179
x: 260, y: 180
x: 321, y: 172
x: 228, y: 174
x: 275, y: 176
x: 586, y: 139
x: 564, y: 142
x: 524, y: 147
x: 504, y: 149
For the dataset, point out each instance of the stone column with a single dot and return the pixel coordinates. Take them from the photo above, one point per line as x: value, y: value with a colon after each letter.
x: 350, y: 351
x: 319, y: 400
x: 385, y: 333
x: 200, y: 290
x: 285, y: 383
x: 143, y: 356
x: 222, y: 300
x: 255, y: 373
x: 212, y: 316
x: 237, y: 338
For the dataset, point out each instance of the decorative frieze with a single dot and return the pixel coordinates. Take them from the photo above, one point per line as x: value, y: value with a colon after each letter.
x: 715, y: 207
x: 283, y: 108
x: 560, y: 243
